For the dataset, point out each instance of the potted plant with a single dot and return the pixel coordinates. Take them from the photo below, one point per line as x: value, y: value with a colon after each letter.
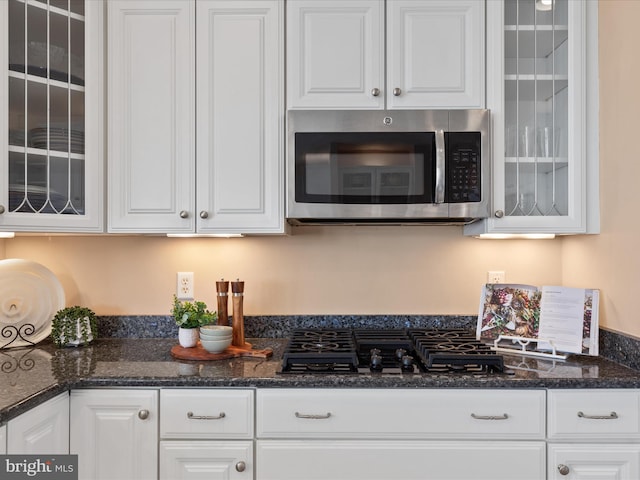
x: 189, y: 317
x: 74, y: 326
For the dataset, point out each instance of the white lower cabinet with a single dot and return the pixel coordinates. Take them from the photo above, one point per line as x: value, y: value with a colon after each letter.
x: 42, y: 430
x: 382, y: 433
x: 213, y: 460
x: 114, y: 432
x: 206, y: 433
x: 601, y: 461
x: 594, y: 434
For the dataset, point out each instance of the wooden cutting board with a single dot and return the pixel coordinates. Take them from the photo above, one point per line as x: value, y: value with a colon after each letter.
x: 199, y: 353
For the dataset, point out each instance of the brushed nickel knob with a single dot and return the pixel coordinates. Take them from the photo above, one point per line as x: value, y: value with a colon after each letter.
x: 375, y: 92
x: 499, y: 214
x: 1, y: 209
x: 563, y: 469
x: 241, y: 466
x: 143, y: 414
x: 204, y: 214
x: 184, y: 214
x: 397, y: 92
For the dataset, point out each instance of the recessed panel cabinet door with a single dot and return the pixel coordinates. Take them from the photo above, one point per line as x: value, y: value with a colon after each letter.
x: 213, y: 460
x: 240, y: 118
x: 42, y: 430
x: 335, y: 54
x: 435, y: 54
x: 594, y: 461
x: 115, y: 433
x: 151, y: 111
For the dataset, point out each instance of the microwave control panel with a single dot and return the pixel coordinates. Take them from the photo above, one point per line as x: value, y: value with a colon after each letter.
x: 463, y: 160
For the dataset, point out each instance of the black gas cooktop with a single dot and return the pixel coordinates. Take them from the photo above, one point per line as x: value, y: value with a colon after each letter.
x: 397, y: 351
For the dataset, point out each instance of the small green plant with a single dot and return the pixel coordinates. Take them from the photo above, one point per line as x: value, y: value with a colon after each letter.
x: 74, y: 324
x: 192, y: 314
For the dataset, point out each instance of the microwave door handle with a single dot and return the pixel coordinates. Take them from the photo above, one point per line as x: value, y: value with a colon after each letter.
x: 440, y: 161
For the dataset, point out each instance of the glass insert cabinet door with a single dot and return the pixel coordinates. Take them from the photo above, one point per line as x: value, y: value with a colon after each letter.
x: 48, y: 163
x: 536, y: 107
x: 542, y: 93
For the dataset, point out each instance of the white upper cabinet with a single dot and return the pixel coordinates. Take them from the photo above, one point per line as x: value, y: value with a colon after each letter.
x: 177, y: 166
x: 543, y: 95
x: 151, y: 111
x: 357, y: 54
x: 51, y: 101
x: 240, y: 119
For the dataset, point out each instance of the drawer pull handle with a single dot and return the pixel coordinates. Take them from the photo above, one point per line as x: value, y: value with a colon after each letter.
x: 504, y: 416
x: 611, y: 416
x: 191, y: 416
x: 563, y: 469
x: 313, y: 417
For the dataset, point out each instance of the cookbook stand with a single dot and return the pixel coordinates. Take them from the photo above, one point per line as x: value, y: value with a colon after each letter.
x: 519, y: 345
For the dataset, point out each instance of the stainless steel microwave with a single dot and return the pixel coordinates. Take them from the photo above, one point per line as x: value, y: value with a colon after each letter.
x: 381, y: 167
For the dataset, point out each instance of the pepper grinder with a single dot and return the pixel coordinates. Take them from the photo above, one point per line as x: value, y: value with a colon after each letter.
x: 222, y: 292
x: 237, y: 288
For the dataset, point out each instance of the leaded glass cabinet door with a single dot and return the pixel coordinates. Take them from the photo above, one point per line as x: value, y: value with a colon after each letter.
x: 538, y: 54
x: 52, y: 160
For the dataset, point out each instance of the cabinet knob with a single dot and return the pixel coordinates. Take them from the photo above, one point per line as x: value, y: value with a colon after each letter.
x: 375, y: 92
x: 204, y: 214
x: 563, y: 469
x: 1, y: 209
x: 241, y: 466
x: 397, y: 92
x: 143, y: 414
x: 499, y: 214
x: 184, y: 214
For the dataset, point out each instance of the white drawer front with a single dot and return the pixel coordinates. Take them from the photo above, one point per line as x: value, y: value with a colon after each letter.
x: 198, y: 413
x: 383, y: 413
x: 399, y: 459
x: 594, y: 413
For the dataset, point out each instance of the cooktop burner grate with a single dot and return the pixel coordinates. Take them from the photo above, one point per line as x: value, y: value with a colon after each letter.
x: 320, y: 351
x: 389, y: 351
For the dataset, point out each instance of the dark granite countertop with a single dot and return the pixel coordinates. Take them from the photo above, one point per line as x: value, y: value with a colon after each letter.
x: 30, y: 376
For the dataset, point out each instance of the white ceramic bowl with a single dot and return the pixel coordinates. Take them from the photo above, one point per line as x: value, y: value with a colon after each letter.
x: 212, y: 339
x: 208, y: 336
x: 216, y: 330
x: 215, y: 346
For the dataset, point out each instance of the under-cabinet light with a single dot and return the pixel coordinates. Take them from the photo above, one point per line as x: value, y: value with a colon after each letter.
x: 205, y: 235
x: 7, y: 234
x: 544, y: 5
x: 510, y: 236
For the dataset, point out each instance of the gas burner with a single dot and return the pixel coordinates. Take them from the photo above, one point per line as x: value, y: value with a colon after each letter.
x: 319, y: 347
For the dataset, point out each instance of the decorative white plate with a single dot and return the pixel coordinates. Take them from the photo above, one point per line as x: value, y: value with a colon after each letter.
x: 30, y: 296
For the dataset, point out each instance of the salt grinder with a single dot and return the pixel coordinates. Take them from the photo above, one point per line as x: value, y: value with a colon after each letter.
x: 237, y: 288
x: 222, y: 292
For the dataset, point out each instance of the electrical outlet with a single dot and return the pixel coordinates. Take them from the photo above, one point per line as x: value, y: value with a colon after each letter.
x: 495, y: 276
x: 184, y: 286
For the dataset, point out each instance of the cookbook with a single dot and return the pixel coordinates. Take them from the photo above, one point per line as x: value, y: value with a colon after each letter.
x: 560, y: 318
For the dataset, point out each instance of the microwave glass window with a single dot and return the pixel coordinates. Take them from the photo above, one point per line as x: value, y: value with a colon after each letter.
x: 365, y: 168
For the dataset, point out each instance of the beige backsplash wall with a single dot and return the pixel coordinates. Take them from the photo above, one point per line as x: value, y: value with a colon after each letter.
x: 317, y: 270
x: 611, y: 260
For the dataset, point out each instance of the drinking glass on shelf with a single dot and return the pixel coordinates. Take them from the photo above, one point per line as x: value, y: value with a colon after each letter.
x: 549, y: 142
x: 527, y: 141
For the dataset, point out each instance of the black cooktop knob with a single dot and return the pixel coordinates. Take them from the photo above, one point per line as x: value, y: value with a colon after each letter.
x: 376, y: 363
x: 407, y: 363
